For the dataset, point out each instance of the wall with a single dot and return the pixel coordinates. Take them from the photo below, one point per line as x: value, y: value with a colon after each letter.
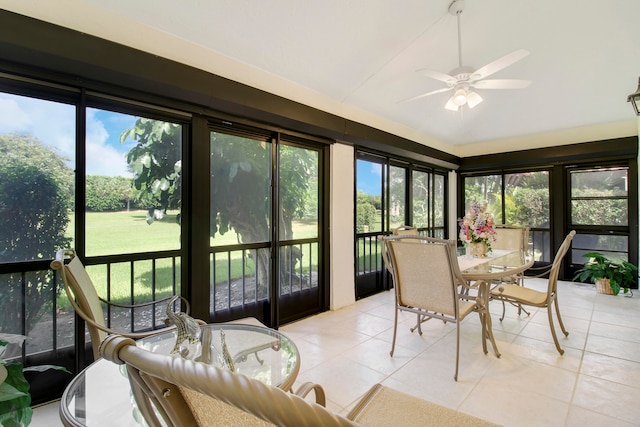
x: 342, y: 228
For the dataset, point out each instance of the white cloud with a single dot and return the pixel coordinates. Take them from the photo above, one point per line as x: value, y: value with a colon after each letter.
x: 52, y: 123
x: 105, y: 160
x: 102, y: 158
x: 12, y: 118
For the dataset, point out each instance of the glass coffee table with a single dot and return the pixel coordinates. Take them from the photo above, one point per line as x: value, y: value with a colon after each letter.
x: 100, y: 395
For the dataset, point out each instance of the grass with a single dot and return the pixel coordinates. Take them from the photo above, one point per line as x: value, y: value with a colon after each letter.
x: 110, y: 233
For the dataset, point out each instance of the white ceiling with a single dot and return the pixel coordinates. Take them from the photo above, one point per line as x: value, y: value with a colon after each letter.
x: 358, y: 58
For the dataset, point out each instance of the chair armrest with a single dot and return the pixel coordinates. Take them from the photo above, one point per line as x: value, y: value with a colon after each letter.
x: 145, y: 304
x: 307, y: 387
x: 545, y: 269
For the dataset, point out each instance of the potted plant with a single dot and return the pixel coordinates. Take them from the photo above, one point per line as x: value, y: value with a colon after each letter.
x: 15, y: 399
x: 608, y: 276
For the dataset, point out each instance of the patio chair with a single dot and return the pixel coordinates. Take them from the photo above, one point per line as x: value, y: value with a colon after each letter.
x: 511, y: 238
x: 428, y: 283
x: 178, y: 392
x: 523, y: 296
x: 404, y: 230
x: 88, y: 304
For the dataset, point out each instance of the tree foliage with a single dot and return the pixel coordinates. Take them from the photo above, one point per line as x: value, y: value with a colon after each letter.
x: 156, y: 162
x: 240, y: 170
x: 35, y: 195
x: 108, y: 193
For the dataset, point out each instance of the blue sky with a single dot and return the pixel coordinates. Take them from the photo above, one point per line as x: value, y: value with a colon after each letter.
x: 53, y: 124
x: 368, y: 177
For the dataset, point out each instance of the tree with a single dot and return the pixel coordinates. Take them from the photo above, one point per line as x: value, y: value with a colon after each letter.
x: 240, y: 182
x: 108, y: 193
x: 156, y: 162
x: 36, y: 191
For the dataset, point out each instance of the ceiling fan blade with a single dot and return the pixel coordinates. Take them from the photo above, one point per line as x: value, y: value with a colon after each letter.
x: 499, y: 64
x: 451, y: 106
x: 426, y: 94
x: 501, y: 84
x: 473, y: 99
x: 437, y: 75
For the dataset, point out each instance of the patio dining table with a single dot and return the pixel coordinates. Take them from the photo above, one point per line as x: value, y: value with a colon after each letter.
x: 496, y: 265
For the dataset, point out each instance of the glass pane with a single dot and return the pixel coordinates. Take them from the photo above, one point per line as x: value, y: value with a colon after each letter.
x: 236, y: 279
x: 133, y: 184
x: 598, y: 242
x: 397, y: 196
x: 298, y: 268
x: 599, y: 212
x: 599, y: 183
x: 37, y: 147
x: 438, y: 201
x: 527, y: 199
x: 368, y: 197
x: 240, y: 190
x: 420, y: 184
x: 299, y: 190
x: 540, y: 245
x: 484, y: 189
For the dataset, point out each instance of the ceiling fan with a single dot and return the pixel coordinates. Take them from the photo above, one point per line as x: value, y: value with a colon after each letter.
x: 463, y: 80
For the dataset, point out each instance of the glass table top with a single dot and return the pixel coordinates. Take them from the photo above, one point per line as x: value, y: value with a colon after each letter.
x: 100, y: 395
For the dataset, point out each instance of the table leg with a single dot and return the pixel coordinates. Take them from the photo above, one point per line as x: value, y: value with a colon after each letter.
x: 487, y: 327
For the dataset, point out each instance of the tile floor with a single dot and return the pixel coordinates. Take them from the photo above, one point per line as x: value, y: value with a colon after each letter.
x: 595, y: 383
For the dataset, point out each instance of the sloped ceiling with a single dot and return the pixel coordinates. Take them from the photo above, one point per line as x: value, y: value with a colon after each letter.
x: 358, y: 59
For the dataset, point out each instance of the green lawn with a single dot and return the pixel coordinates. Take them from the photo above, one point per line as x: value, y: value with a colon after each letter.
x: 110, y: 233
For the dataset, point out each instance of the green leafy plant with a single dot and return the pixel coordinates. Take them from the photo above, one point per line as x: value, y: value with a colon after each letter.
x: 15, y: 400
x: 620, y: 274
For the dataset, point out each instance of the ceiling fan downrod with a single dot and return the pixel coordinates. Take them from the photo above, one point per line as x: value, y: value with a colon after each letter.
x: 455, y: 8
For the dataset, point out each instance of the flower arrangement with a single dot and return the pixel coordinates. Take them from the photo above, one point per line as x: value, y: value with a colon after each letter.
x: 477, y: 226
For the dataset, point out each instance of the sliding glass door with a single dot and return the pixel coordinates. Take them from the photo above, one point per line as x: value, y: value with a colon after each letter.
x: 266, y: 222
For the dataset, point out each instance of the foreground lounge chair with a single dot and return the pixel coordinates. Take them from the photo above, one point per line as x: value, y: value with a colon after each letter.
x: 186, y: 393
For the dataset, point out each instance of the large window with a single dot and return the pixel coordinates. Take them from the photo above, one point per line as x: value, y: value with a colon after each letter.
x: 518, y: 199
x: 599, y: 209
x: 133, y: 183
x: 37, y: 148
x: 391, y: 193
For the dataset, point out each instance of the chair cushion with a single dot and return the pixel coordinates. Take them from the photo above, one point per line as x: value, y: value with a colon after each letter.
x: 520, y: 293
x: 209, y: 412
x: 465, y: 307
x: 383, y: 406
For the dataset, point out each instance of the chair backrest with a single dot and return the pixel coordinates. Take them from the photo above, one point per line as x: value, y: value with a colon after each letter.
x: 511, y: 238
x: 557, y: 261
x: 82, y: 295
x: 206, y: 395
x: 405, y: 230
x: 426, y: 274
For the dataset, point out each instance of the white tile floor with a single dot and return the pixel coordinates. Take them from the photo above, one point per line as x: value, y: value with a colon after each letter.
x: 595, y: 383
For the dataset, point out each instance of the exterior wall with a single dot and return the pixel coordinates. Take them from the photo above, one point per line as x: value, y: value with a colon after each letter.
x: 342, y: 229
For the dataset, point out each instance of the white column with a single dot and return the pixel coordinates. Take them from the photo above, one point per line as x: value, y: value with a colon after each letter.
x: 453, y: 205
x: 342, y: 227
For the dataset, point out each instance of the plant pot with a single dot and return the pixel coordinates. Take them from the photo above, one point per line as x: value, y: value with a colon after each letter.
x: 478, y: 250
x: 603, y: 287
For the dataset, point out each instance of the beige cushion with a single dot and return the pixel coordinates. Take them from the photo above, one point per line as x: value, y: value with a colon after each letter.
x: 520, y: 293
x: 387, y: 407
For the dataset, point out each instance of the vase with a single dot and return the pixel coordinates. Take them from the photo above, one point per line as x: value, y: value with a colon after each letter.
x: 478, y: 250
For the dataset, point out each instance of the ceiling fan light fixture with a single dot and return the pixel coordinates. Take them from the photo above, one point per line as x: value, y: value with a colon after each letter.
x: 460, y: 97
x: 451, y: 106
x: 473, y: 99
